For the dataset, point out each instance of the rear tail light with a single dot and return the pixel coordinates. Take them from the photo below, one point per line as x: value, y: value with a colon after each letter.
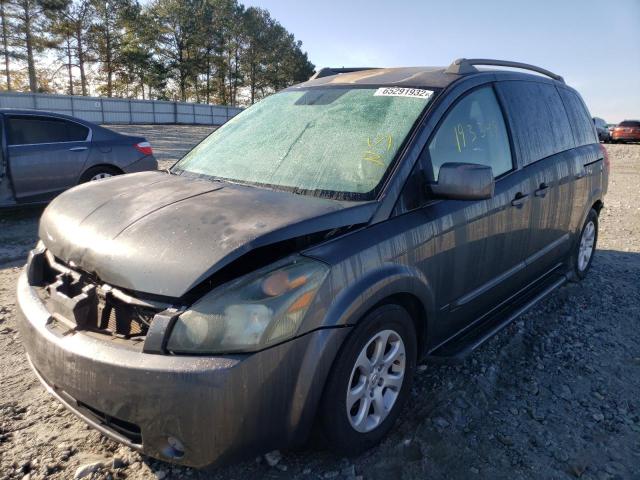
x: 144, y: 148
x: 605, y: 154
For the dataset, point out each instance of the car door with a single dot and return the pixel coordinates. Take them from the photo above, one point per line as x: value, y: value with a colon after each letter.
x: 471, y: 252
x: 584, y: 160
x: 46, y: 154
x: 6, y: 193
x: 544, y: 143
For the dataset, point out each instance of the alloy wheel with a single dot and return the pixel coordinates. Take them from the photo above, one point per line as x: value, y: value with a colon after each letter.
x: 100, y: 176
x: 376, y: 381
x: 586, y: 245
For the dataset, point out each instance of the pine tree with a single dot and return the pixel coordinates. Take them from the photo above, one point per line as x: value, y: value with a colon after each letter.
x: 193, y: 50
x: 70, y: 24
x: 105, y: 36
x: 32, y: 26
x: 8, y: 33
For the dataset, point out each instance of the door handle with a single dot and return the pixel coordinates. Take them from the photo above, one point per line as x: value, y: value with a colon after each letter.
x: 520, y: 200
x: 78, y: 149
x: 542, y: 191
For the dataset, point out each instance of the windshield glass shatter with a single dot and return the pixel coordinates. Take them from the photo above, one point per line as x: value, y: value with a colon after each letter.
x: 330, y: 142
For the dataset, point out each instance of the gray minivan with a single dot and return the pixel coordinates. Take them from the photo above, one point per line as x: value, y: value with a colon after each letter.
x: 290, y: 271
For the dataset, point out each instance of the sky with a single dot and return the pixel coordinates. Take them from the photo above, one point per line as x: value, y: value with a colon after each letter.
x: 593, y: 44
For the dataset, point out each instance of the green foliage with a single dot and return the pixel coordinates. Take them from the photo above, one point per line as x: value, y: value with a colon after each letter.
x: 213, y: 51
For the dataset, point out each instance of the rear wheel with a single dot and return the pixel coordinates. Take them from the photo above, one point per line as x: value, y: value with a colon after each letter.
x: 585, y: 249
x: 98, y: 173
x: 370, y: 381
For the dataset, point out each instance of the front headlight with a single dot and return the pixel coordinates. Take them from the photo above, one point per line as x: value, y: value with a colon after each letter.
x: 251, y: 313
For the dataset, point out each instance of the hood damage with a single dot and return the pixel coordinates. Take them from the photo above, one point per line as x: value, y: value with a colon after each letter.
x: 171, y: 236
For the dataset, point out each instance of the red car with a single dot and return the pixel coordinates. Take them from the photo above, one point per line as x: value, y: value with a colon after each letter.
x: 627, y: 131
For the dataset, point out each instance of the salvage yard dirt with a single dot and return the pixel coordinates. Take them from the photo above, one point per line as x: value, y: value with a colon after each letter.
x: 555, y: 395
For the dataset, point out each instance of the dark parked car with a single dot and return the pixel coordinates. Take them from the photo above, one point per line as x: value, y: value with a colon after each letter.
x: 627, y: 131
x: 292, y: 269
x: 45, y: 153
x: 602, y: 128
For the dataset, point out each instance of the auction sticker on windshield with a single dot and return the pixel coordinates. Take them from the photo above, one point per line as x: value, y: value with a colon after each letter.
x: 403, y: 92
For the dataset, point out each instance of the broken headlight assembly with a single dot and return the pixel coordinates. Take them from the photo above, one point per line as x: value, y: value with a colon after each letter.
x: 258, y: 310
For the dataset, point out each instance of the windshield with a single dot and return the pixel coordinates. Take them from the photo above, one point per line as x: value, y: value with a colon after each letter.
x: 331, y: 142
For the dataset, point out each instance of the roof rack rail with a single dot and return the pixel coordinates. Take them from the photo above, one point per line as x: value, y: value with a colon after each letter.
x: 466, y: 65
x: 328, y: 71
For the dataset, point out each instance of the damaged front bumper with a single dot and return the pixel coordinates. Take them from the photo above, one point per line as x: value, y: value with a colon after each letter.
x: 193, y: 410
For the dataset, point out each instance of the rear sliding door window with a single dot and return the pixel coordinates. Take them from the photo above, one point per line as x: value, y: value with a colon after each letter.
x: 29, y: 130
x: 579, y: 117
x: 539, y: 123
x: 473, y: 132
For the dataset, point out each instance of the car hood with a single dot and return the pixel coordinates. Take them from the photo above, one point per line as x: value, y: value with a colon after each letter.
x: 164, y: 234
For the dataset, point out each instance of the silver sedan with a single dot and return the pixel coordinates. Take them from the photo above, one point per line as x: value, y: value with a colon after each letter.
x: 46, y: 153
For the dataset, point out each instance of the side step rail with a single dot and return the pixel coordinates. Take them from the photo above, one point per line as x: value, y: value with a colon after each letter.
x: 456, y: 351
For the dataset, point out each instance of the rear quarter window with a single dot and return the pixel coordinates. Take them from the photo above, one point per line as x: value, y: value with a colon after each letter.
x: 76, y: 132
x: 582, y: 128
x: 539, y: 123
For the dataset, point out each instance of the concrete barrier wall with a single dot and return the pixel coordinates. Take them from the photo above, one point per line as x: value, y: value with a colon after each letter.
x: 121, y: 110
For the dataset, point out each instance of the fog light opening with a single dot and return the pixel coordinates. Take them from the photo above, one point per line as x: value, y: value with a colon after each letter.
x: 174, y: 448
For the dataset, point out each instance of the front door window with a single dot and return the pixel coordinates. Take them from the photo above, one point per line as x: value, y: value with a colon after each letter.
x: 472, y: 132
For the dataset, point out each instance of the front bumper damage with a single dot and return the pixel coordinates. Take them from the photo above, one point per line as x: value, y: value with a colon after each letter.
x: 192, y: 410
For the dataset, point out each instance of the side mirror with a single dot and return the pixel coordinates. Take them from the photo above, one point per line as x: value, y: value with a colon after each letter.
x: 464, y: 181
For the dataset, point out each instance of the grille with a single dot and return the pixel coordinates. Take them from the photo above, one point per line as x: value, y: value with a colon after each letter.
x: 118, y: 318
x: 84, y: 303
x: 115, y: 320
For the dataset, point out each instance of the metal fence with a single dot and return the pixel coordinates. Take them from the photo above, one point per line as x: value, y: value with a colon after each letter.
x: 120, y: 110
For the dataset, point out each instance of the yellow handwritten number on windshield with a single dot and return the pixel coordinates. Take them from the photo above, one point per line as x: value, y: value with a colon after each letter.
x: 377, y: 147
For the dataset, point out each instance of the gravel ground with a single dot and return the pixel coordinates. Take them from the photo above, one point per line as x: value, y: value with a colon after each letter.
x: 556, y: 395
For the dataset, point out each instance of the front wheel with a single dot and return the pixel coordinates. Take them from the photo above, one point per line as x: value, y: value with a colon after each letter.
x: 370, y: 381
x: 582, y: 255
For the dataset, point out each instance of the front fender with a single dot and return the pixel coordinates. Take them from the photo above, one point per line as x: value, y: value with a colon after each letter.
x: 342, y: 302
x: 347, y: 295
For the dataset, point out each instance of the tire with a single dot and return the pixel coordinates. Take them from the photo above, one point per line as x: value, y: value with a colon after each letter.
x: 102, y: 171
x: 339, y: 426
x: 585, y: 248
